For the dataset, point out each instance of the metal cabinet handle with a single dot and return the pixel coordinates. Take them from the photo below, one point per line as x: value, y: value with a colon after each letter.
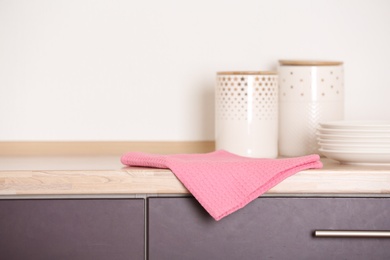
x: 352, y: 233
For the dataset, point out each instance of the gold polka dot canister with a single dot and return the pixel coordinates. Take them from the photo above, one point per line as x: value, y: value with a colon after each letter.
x: 311, y: 92
x: 246, y: 113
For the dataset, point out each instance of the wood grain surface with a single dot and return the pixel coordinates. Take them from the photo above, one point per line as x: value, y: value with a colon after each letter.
x: 105, y: 175
x: 102, y: 148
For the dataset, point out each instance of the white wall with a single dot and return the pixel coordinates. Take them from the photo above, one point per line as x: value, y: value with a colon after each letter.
x: 144, y: 70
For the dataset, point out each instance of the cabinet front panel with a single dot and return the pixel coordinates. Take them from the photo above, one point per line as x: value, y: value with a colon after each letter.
x: 268, y: 228
x: 72, y: 229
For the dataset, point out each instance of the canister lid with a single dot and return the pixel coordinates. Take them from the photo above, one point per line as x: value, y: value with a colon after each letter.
x: 246, y: 73
x: 310, y: 63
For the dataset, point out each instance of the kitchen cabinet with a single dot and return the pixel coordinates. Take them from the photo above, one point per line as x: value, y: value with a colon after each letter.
x: 268, y: 228
x: 72, y: 229
x: 94, y: 208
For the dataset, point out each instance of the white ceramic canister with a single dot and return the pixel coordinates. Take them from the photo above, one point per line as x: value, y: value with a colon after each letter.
x: 310, y: 92
x: 246, y: 113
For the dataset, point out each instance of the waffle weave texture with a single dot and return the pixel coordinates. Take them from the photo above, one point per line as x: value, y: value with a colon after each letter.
x: 223, y: 182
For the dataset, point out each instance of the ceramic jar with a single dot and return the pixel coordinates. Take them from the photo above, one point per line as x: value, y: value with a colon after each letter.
x: 246, y: 113
x: 310, y: 92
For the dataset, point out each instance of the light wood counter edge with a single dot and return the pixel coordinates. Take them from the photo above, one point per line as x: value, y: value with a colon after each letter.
x: 102, y: 148
x: 133, y: 181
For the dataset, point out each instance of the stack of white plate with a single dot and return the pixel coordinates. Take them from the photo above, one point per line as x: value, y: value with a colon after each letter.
x: 355, y: 142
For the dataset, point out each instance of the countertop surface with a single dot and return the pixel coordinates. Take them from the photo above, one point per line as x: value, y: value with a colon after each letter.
x: 53, y: 176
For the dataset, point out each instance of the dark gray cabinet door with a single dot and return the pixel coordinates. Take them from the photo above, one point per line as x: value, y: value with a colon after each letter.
x: 268, y: 228
x: 72, y: 229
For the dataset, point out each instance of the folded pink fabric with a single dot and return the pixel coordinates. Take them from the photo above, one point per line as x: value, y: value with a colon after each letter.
x: 223, y: 182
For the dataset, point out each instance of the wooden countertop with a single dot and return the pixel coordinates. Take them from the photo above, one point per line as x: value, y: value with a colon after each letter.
x: 105, y: 176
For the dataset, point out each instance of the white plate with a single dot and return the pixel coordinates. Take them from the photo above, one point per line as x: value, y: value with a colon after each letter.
x: 384, y: 133
x: 378, y: 125
x: 364, y: 158
x: 366, y: 141
x: 356, y: 148
x: 355, y: 137
x: 354, y: 145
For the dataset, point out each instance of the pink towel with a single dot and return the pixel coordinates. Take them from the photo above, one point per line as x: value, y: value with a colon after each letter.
x: 223, y: 182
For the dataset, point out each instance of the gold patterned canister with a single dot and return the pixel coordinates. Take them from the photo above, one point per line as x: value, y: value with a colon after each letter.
x: 246, y: 113
x: 310, y: 92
